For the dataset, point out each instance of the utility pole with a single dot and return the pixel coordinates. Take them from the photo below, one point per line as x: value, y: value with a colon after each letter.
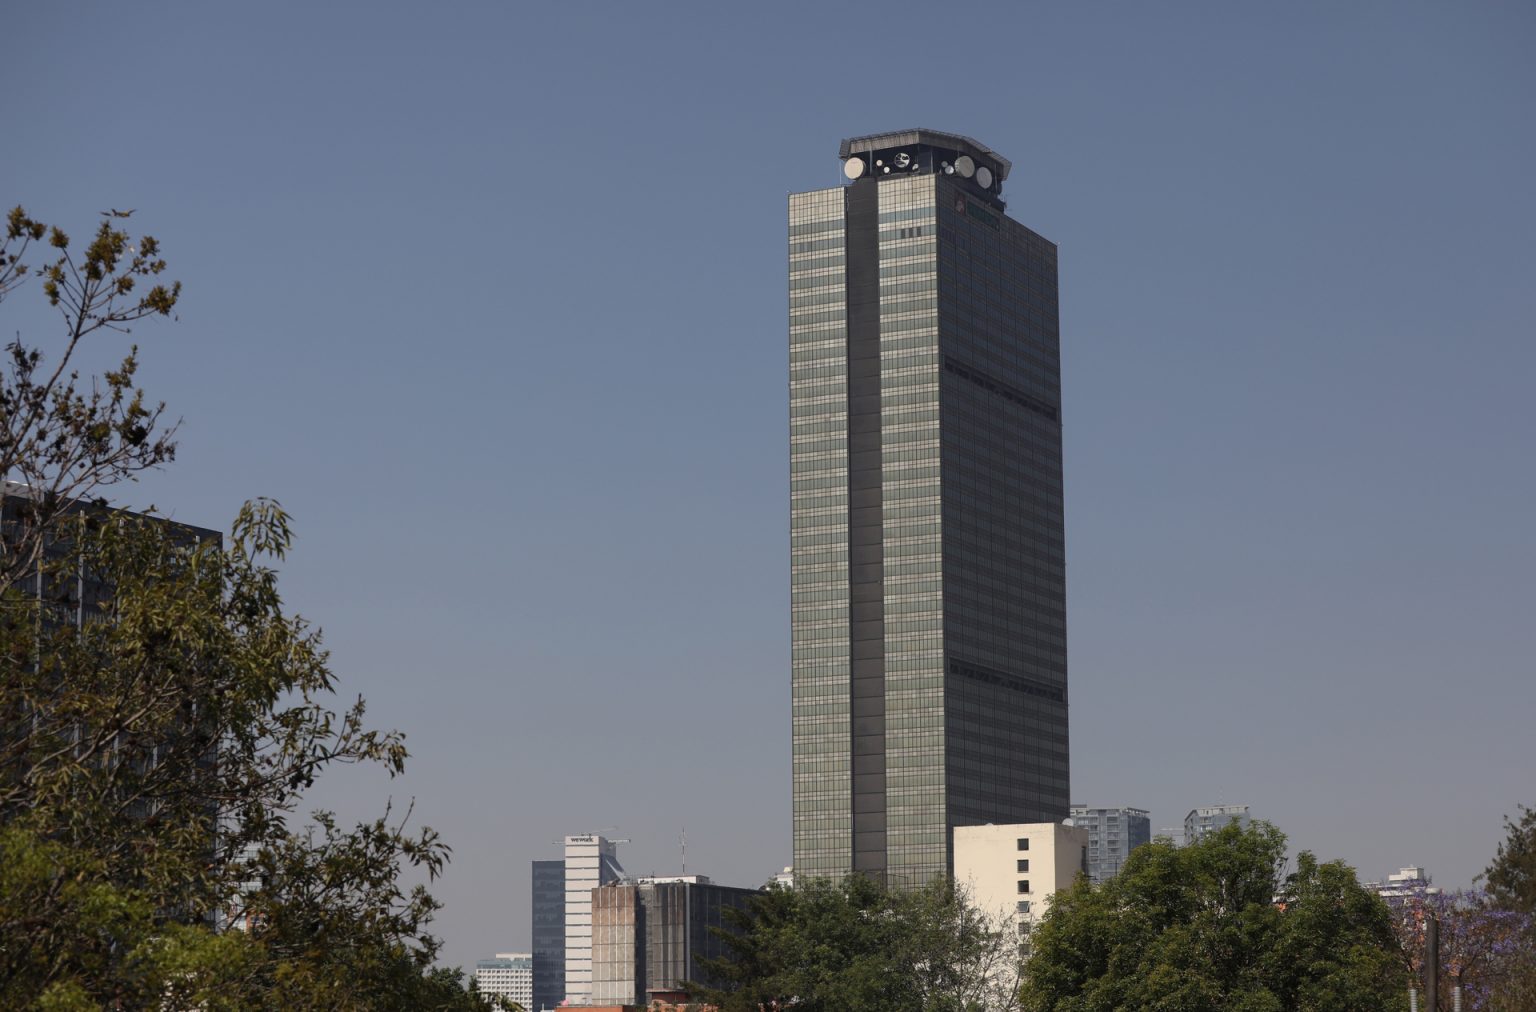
x: 1431, y: 962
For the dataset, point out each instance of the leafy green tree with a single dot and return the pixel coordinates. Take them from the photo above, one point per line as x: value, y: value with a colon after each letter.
x: 856, y: 946
x: 161, y: 715
x: 1511, y: 884
x: 1511, y: 878
x: 65, y: 439
x: 1216, y: 926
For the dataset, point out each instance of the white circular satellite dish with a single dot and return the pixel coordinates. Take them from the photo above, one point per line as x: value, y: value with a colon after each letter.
x: 965, y: 166
x: 903, y: 159
x: 853, y: 168
x: 984, y: 177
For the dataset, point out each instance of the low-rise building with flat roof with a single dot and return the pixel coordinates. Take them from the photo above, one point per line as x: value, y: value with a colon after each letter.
x: 1408, y: 881
x: 510, y: 975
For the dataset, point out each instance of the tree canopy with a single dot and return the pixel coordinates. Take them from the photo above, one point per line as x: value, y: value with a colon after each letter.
x: 1217, y: 925
x: 1511, y: 877
x: 162, y: 713
x: 856, y: 946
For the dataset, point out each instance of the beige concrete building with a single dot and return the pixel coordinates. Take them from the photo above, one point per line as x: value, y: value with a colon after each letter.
x: 1012, y: 871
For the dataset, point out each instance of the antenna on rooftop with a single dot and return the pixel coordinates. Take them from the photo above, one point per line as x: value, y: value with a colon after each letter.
x: 685, y: 850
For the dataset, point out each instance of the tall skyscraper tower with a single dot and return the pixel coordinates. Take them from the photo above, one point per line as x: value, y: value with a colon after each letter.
x: 928, y: 591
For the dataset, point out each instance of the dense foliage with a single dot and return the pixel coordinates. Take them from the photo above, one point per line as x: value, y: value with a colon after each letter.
x: 161, y: 715
x: 1511, y: 878
x: 856, y: 946
x: 1217, y: 926
x: 1487, y: 937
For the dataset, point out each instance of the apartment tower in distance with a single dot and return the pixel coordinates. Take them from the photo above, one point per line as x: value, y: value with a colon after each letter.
x: 1112, y: 834
x: 1202, y: 822
x: 928, y: 590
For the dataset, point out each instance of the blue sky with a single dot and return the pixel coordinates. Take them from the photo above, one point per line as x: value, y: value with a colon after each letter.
x: 491, y: 297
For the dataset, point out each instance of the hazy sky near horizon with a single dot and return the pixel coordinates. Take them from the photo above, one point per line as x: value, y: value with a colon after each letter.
x: 492, y: 298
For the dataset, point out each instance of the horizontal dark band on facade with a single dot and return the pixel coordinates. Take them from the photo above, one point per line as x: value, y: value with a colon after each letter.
x: 1000, y: 388
x: 1017, y: 683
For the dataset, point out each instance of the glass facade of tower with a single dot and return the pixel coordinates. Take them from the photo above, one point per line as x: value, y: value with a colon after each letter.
x: 927, y: 580
x: 818, y: 423
x: 548, y: 910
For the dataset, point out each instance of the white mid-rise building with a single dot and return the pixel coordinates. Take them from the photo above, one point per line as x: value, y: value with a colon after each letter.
x: 1201, y: 822
x: 1409, y: 881
x: 510, y: 975
x: 1011, y: 872
x: 590, y: 861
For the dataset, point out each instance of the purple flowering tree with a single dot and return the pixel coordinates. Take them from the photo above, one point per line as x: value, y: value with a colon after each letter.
x: 1484, y: 952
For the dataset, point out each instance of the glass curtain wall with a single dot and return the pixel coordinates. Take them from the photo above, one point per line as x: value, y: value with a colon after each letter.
x: 916, y: 824
x: 818, y: 422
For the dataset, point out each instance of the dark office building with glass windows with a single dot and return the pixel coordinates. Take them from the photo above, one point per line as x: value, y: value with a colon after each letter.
x: 548, y: 909
x: 928, y: 589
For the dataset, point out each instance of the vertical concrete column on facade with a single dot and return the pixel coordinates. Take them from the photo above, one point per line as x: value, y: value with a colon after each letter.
x: 866, y: 583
